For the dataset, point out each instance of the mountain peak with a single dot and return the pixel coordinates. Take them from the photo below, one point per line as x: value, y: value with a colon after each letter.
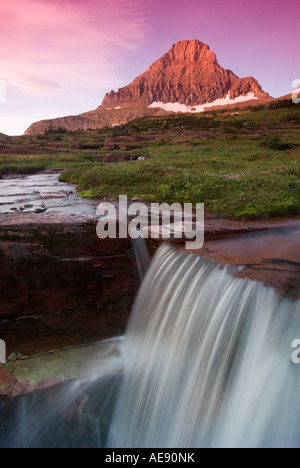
x: 187, y: 47
x: 187, y: 53
x: 187, y: 78
x: 191, y: 50
x: 189, y: 74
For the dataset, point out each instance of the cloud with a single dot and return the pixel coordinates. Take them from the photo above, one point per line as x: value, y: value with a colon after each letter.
x: 27, y: 77
x: 51, y: 46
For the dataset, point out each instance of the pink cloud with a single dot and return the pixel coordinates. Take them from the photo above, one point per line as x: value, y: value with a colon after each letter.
x: 54, y: 45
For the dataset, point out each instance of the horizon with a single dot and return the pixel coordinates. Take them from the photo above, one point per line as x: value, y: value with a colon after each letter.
x: 67, y: 55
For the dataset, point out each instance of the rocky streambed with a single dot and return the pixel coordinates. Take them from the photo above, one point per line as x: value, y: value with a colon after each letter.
x: 41, y: 193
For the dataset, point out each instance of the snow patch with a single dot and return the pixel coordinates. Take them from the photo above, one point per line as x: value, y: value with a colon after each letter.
x: 177, y: 107
x: 116, y: 108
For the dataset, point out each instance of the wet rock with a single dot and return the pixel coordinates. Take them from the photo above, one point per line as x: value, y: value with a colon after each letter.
x: 9, y: 385
x: 271, y: 256
x: 25, y: 374
x: 52, y: 196
x: 67, y: 415
x: 265, y: 251
x: 60, y: 284
x: 49, y: 172
x: 40, y: 210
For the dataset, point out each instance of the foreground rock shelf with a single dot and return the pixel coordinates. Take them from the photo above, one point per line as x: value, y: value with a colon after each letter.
x: 84, y: 363
x: 61, y: 285
x: 270, y: 256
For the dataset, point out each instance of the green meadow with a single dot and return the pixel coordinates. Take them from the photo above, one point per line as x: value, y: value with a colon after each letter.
x: 241, y: 164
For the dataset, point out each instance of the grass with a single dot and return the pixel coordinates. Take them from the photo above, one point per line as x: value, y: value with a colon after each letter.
x: 254, y: 185
x: 244, y: 164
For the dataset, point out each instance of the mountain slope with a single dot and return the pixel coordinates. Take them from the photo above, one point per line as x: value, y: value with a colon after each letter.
x: 186, y: 79
x: 294, y: 94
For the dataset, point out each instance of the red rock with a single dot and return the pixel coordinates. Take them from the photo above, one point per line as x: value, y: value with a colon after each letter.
x: 124, y: 147
x: 189, y: 74
x: 116, y: 158
x: 9, y: 386
x: 42, y: 385
x: 111, y: 147
x: 272, y: 258
x: 61, y: 285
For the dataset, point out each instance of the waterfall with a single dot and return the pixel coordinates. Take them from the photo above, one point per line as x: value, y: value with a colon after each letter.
x: 142, y: 256
x: 207, y: 361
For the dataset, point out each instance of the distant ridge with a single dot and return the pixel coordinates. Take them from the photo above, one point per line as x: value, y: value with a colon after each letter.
x: 296, y: 93
x: 186, y: 79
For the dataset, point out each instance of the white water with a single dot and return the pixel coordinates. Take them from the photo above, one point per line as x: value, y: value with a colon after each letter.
x: 207, y: 361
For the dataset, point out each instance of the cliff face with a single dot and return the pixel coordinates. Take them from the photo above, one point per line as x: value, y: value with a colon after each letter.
x: 61, y: 285
x: 94, y: 120
x: 188, y: 75
x: 70, y: 123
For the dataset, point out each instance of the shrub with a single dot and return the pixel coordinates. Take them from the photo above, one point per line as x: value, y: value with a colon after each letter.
x: 276, y: 143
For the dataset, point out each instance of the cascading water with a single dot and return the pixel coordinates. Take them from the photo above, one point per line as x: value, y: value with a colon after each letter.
x: 207, y: 361
x: 142, y: 256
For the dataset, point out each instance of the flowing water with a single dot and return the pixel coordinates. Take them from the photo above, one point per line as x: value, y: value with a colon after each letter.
x: 142, y: 256
x: 207, y: 363
x: 42, y: 193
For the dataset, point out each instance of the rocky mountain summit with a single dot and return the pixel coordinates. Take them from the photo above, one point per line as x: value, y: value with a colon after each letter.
x: 186, y: 79
x: 188, y: 74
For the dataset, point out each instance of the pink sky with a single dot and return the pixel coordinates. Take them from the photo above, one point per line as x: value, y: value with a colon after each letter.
x: 59, y: 57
